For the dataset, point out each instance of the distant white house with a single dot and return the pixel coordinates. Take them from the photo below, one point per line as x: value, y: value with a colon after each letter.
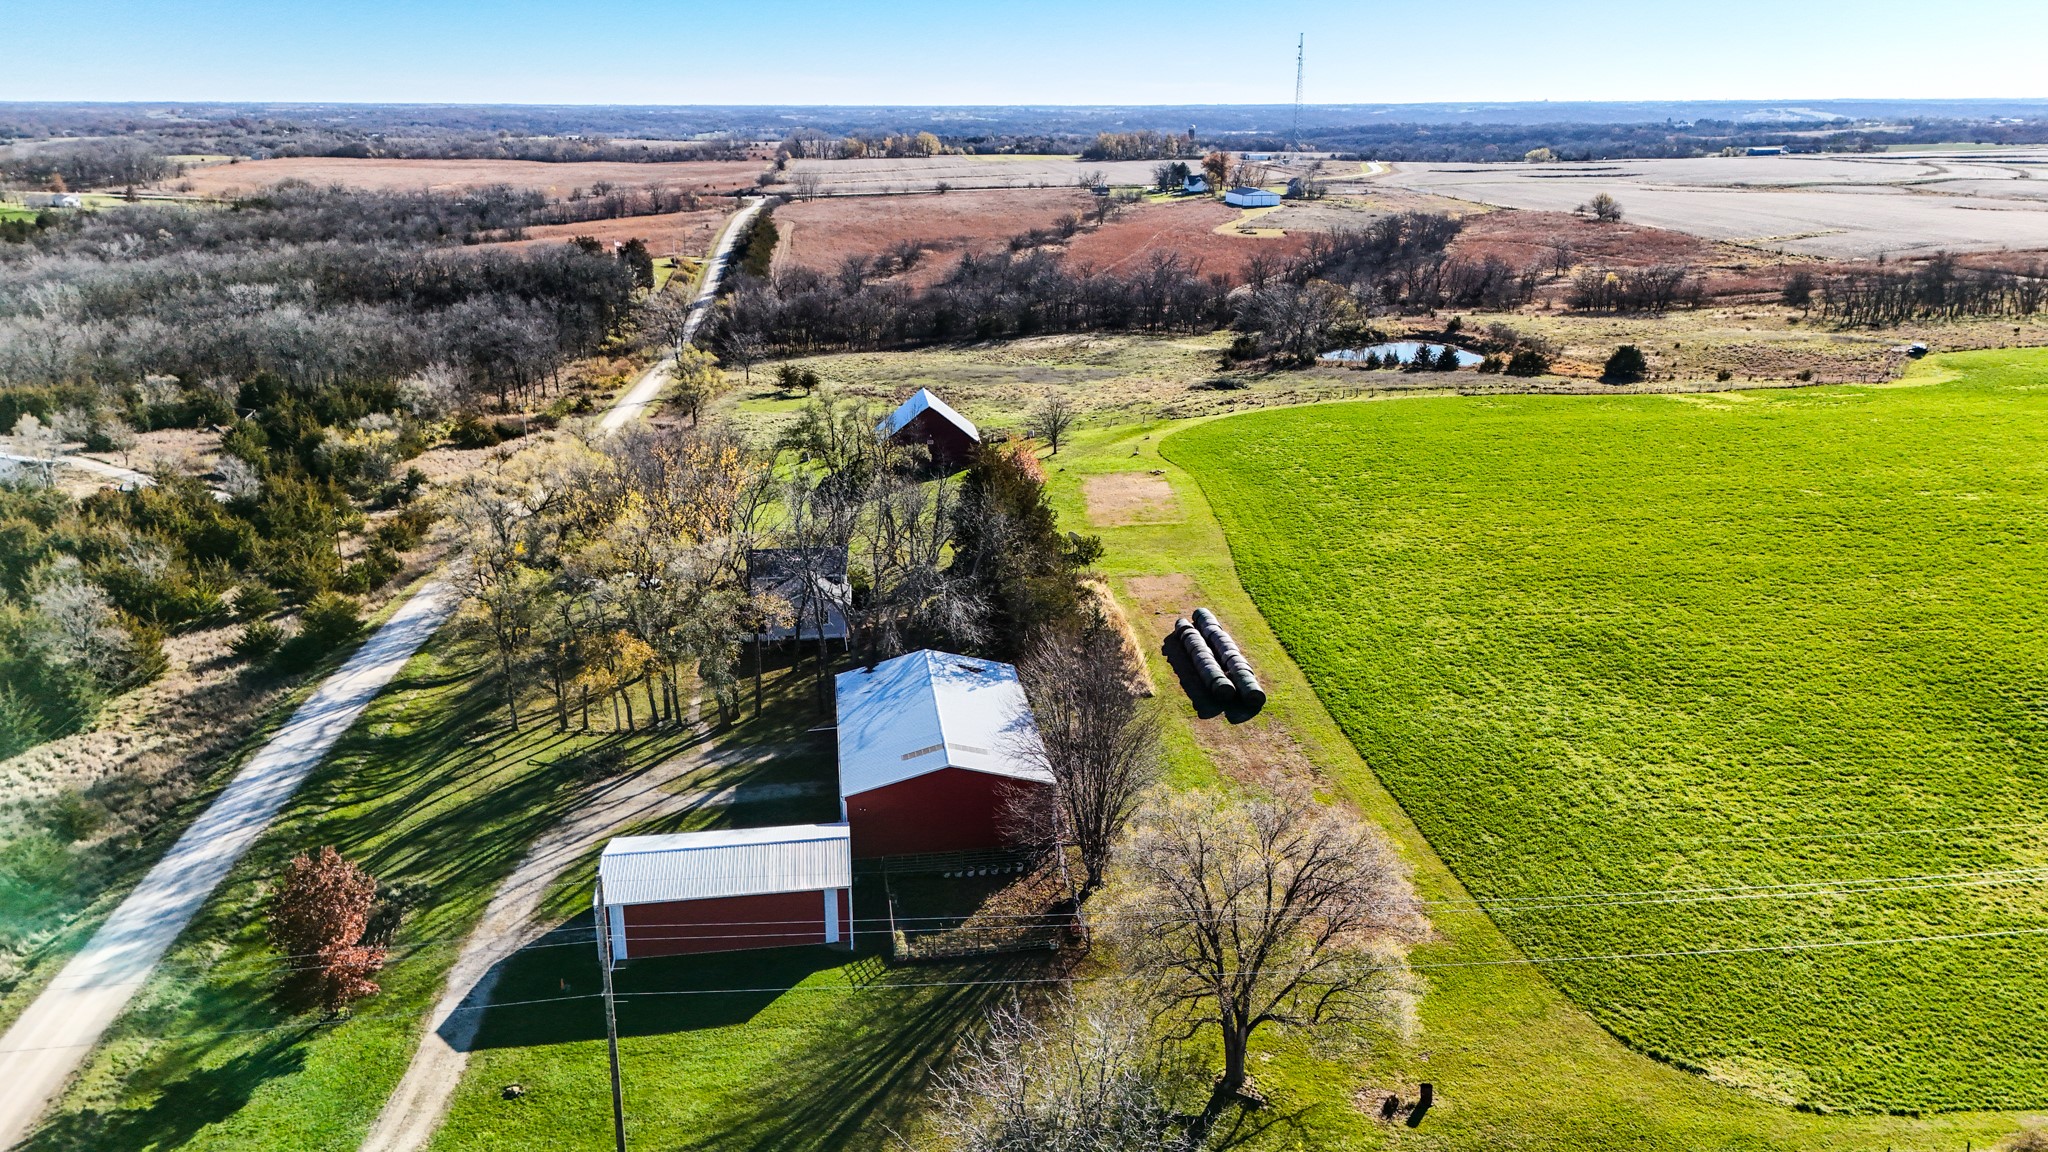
x: 1251, y: 197
x: 51, y: 200
x: 1194, y: 185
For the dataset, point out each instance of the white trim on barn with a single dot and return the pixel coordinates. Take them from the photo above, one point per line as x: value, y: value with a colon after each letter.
x: 914, y: 407
x: 927, y: 711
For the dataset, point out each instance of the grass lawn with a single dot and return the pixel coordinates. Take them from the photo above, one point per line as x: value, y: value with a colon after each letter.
x: 1627, y: 644
x: 430, y: 790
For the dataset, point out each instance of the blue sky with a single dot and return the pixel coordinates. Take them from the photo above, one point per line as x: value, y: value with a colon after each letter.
x: 1022, y: 51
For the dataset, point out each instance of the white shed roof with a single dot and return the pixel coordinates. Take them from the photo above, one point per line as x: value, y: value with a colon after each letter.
x: 929, y: 710
x: 919, y: 401
x: 728, y: 862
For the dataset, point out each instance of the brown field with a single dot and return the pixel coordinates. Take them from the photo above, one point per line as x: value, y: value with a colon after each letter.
x: 923, y: 173
x: 669, y: 234
x: 1185, y: 227
x: 556, y: 180
x: 1119, y: 499
x: 822, y: 233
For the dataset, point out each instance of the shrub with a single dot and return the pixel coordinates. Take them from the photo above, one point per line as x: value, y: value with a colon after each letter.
x: 330, y: 620
x: 255, y: 601
x: 474, y: 432
x: 1626, y: 366
x: 1527, y: 362
x: 257, y: 640
x: 1491, y: 366
x: 1724, y: 376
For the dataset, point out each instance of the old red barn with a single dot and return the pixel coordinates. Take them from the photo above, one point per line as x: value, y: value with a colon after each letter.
x: 934, y: 752
x: 725, y: 890
x: 925, y: 419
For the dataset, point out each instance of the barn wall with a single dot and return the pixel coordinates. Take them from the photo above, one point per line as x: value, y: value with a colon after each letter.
x: 730, y: 924
x: 947, y: 442
x: 951, y: 810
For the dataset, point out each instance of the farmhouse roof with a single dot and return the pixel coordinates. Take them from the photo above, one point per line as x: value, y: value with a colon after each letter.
x: 727, y: 862
x: 927, y: 711
x: 920, y: 402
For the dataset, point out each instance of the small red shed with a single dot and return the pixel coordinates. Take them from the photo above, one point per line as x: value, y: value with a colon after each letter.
x: 935, y: 752
x: 925, y: 419
x: 726, y: 890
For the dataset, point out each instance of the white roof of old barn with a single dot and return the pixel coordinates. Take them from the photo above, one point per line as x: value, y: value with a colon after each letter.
x: 728, y: 862
x: 919, y: 401
x: 929, y: 710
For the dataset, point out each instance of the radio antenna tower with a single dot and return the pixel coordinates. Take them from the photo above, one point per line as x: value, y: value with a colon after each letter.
x: 1299, y: 45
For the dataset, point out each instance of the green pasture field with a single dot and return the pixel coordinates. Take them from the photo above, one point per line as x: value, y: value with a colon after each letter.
x: 1771, y: 661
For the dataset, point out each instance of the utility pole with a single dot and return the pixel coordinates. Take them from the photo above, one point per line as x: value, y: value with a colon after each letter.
x: 1300, y: 47
x: 611, y: 1019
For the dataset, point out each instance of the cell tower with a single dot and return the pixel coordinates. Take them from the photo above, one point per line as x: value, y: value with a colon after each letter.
x: 1299, y: 45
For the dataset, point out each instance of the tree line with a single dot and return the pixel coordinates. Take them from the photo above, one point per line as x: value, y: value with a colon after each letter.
x: 1937, y: 288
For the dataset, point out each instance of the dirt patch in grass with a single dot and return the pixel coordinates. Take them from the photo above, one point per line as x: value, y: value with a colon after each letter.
x: 823, y: 234
x: 667, y: 234
x: 556, y: 180
x: 1118, y: 499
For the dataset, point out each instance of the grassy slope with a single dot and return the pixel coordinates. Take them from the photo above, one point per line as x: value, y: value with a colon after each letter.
x: 430, y: 790
x: 1515, y: 1058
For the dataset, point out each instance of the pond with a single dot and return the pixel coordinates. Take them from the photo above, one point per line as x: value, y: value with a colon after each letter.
x: 1401, y: 350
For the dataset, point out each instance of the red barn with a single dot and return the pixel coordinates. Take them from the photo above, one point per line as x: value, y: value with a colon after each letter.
x: 726, y: 890
x: 925, y: 419
x: 934, y: 751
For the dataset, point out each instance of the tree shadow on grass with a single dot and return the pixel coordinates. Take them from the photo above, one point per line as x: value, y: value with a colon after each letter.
x: 181, y: 1109
x: 858, y: 1074
x: 656, y: 997
x: 861, y: 1077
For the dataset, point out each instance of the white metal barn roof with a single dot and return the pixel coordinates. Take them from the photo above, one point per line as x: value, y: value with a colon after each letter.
x: 929, y: 710
x: 919, y: 401
x: 728, y: 862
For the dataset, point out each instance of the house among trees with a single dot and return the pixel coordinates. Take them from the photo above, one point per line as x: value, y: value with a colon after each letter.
x: 937, y: 753
x: 812, y: 581
x: 1251, y: 197
x: 1195, y: 184
x: 925, y: 419
x: 724, y: 891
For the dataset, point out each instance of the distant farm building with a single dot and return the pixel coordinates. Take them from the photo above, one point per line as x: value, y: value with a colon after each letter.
x: 725, y: 891
x: 925, y: 419
x: 936, y: 752
x: 1767, y: 150
x: 812, y: 581
x: 1194, y: 185
x: 1251, y: 197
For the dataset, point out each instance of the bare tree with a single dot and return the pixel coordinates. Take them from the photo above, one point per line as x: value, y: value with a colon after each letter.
x: 1275, y: 909
x: 1072, y: 1078
x: 1604, y: 208
x: 746, y: 350
x: 1052, y: 419
x: 806, y: 182
x: 1100, y: 745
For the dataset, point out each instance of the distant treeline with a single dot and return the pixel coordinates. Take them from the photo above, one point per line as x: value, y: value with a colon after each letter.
x: 1572, y: 142
x: 86, y: 164
x: 1399, y: 263
x: 1934, y: 289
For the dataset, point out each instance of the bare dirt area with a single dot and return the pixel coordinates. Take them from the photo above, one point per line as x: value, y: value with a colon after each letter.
x: 926, y: 173
x: 1840, y: 207
x: 667, y: 234
x: 1120, y: 499
x: 555, y: 180
x: 821, y: 234
x: 1185, y: 228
